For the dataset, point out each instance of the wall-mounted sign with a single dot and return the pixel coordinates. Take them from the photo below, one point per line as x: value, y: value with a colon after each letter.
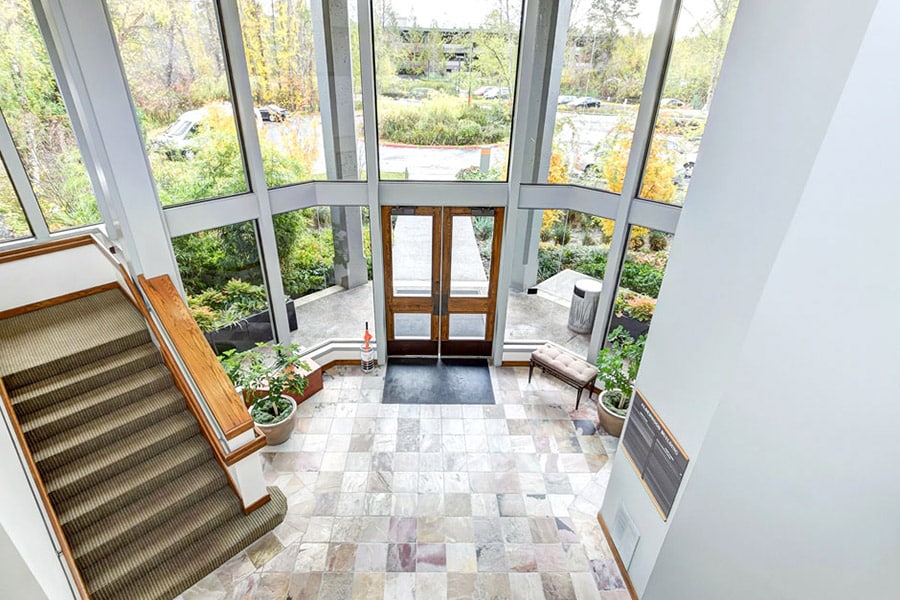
x: 655, y: 455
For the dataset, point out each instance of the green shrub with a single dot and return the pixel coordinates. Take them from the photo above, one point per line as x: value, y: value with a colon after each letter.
x: 560, y: 233
x: 444, y: 121
x: 642, y: 278
x: 216, y: 308
x: 634, y: 305
x: 552, y: 259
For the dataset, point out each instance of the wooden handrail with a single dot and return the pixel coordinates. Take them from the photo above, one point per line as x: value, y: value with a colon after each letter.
x: 42, y: 492
x: 226, y: 406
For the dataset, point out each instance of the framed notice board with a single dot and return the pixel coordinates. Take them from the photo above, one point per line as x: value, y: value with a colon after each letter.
x: 654, y: 453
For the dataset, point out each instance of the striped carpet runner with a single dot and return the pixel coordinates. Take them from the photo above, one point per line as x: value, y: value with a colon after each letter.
x: 144, y: 505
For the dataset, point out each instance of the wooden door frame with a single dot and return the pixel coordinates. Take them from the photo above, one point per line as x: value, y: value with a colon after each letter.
x: 440, y: 305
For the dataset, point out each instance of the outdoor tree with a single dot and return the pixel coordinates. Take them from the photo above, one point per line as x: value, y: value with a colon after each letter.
x: 495, y: 43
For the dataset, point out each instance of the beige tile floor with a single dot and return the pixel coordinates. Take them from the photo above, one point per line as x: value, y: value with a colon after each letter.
x: 433, y: 501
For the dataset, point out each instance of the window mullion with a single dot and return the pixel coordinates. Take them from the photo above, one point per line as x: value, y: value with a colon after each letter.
x: 640, y: 144
x: 249, y: 136
x: 19, y: 177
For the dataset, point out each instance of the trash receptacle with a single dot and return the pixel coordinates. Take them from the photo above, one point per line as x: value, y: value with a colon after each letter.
x: 585, y: 298
x: 367, y: 358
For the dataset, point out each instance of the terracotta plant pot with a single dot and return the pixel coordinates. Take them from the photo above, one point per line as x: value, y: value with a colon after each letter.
x: 609, y: 420
x: 280, y: 432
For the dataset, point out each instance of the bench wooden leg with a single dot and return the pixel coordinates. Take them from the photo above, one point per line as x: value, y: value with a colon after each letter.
x: 530, y: 369
x: 578, y: 399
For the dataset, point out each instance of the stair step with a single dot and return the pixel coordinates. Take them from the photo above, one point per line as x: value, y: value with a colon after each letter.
x: 119, y: 456
x: 199, y: 559
x: 109, y: 576
x: 94, y: 404
x: 68, y: 335
x: 80, y: 511
x: 62, y: 387
x: 134, y: 520
x: 76, y: 442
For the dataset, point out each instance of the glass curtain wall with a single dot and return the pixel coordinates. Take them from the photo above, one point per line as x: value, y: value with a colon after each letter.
x: 178, y: 75
x: 445, y: 81
x: 603, y: 71
x: 640, y: 280
x: 281, y: 60
x: 13, y: 224
x: 285, y: 64
x: 445, y: 78
x: 32, y: 106
x: 693, y: 71
x: 306, y: 250
x: 573, y: 248
x: 223, y: 279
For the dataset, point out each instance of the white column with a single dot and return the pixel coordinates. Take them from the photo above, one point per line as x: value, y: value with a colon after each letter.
x: 331, y: 28
x: 367, y: 75
x: 546, y: 51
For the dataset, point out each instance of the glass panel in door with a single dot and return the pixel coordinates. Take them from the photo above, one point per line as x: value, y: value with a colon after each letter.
x: 411, y: 238
x: 471, y: 246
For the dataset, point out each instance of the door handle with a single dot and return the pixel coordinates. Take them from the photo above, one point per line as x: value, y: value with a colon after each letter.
x: 439, y: 304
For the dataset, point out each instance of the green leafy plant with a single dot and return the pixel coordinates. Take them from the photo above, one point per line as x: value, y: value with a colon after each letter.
x: 270, y: 410
x: 618, y: 365
x: 263, y: 377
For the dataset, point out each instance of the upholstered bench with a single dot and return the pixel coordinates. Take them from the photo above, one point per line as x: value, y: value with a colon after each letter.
x: 566, y: 367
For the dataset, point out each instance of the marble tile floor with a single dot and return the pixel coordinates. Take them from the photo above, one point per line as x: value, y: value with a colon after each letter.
x: 434, y: 501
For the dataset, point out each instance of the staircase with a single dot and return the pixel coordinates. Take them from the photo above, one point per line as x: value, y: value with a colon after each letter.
x: 145, y: 507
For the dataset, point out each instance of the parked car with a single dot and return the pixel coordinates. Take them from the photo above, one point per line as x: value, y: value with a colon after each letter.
x: 481, y: 91
x: 670, y: 103
x: 176, y: 140
x: 565, y: 99
x: 273, y: 113
x: 585, y: 102
x: 497, y: 93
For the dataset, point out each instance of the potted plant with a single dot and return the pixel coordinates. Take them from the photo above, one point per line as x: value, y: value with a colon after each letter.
x: 264, y: 380
x: 618, y: 364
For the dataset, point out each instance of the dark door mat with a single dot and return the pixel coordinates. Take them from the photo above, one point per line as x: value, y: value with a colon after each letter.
x: 432, y: 381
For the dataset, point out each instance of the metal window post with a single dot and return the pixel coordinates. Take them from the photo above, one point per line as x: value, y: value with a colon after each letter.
x: 640, y: 146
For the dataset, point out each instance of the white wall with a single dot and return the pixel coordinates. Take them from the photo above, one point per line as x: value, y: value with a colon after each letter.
x: 23, y: 524
x: 782, y: 76
x: 17, y: 581
x: 796, y: 490
x: 55, y: 274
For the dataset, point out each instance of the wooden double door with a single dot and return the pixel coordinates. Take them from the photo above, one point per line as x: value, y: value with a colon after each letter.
x: 441, y: 267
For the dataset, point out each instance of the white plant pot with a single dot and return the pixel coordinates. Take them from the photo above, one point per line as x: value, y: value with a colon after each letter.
x: 609, y: 420
x: 280, y: 432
